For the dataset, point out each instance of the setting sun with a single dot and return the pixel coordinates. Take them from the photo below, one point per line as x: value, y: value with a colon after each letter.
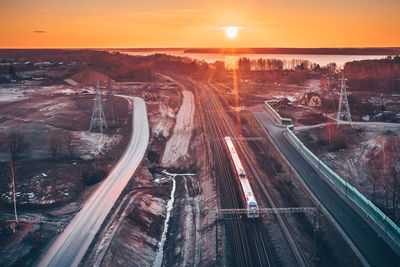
x: 231, y: 32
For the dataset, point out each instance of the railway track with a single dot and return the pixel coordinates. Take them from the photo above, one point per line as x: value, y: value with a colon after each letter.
x: 284, y: 225
x: 287, y: 230
x: 224, y: 173
x: 250, y: 249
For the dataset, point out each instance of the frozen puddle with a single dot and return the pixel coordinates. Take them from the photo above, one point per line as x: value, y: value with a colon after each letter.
x: 170, y: 205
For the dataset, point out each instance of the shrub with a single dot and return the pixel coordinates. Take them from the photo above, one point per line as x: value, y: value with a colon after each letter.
x: 93, y: 176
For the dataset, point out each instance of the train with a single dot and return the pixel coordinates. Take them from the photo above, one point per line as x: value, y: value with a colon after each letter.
x: 246, y: 191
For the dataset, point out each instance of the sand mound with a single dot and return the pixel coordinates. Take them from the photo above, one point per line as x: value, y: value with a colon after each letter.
x: 89, y: 77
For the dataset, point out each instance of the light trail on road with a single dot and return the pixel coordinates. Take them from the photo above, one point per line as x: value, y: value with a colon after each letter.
x: 71, y: 246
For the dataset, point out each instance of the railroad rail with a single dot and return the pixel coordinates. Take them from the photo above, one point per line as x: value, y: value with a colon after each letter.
x: 288, y: 233
x: 240, y: 139
x: 249, y: 246
x: 223, y: 170
x: 268, y: 211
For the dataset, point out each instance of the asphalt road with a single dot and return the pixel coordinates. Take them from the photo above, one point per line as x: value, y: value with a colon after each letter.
x: 375, y: 250
x: 70, y: 247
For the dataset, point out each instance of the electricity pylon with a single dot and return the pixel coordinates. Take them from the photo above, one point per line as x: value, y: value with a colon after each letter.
x: 98, y: 119
x: 110, y: 101
x: 343, y: 109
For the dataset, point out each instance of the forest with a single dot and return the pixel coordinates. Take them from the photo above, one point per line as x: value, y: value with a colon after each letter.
x: 381, y: 76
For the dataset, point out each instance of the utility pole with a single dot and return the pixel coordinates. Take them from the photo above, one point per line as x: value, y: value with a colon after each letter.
x: 343, y: 109
x: 98, y: 119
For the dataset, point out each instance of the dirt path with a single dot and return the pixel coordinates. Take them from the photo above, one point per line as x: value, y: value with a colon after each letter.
x: 178, y: 145
x: 176, y: 149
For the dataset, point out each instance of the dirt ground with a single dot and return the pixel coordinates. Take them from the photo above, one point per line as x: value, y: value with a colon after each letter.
x: 189, y: 230
x: 351, y: 163
x: 251, y: 92
x: 133, y: 233
x: 50, y: 187
x: 178, y: 145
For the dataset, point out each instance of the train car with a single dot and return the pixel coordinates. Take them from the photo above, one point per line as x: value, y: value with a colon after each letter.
x: 247, y: 192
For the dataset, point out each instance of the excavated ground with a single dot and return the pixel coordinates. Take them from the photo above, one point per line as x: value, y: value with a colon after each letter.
x: 189, y: 232
x: 50, y: 189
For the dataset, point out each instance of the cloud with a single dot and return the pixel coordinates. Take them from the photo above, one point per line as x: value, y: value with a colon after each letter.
x: 39, y: 31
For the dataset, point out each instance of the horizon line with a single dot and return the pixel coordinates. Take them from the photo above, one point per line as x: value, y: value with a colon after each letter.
x: 175, y: 48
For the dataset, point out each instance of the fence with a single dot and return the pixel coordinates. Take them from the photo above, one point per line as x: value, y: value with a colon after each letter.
x: 380, y: 218
x: 277, y: 117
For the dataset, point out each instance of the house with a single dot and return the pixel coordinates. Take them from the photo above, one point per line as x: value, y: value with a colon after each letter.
x: 311, y: 99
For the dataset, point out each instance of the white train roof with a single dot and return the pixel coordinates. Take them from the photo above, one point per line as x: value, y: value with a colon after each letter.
x: 244, y: 182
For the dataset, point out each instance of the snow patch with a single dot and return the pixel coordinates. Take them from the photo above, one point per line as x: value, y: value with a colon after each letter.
x: 93, y: 144
x: 165, y: 123
x: 12, y: 94
x: 170, y: 204
x: 51, y: 110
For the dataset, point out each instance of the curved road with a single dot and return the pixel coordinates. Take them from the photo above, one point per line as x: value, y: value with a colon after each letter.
x: 366, y: 238
x: 70, y: 247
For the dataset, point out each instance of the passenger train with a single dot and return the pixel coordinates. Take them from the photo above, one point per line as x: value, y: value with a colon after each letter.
x: 247, y: 194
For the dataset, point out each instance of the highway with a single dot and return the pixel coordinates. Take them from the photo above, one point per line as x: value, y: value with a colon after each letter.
x: 366, y: 239
x: 70, y: 247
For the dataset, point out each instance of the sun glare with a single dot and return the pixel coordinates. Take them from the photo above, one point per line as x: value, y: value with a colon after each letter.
x: 231, y: 32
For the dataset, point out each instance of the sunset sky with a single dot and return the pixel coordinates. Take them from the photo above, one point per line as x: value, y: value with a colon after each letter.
x: 193, y: 23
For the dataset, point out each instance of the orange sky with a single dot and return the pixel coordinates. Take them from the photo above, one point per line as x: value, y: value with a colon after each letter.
x: 189, y: 23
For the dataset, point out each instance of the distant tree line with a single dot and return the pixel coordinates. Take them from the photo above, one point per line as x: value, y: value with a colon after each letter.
x: 307, y: 51
x: 273, y: 64
x: 381, y: 75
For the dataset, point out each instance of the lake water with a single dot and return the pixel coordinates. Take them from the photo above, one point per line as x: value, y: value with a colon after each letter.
x: 322, y: 60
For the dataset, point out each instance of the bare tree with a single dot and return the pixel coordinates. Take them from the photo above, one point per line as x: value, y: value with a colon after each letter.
x: 375, y: 164
x: 16, y: 146
x: 384, y: 162
x: 393, y: 150
x: 12, y: 176
x: 68, y: 142
x: 54, y: 143
x: 383, y: 154
x: 3, y: 140
x: 331, y: 129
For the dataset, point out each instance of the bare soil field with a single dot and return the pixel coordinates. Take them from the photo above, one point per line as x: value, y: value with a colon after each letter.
x: 50, y: 186
x: 188, y: 231
x: 178, y: 145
